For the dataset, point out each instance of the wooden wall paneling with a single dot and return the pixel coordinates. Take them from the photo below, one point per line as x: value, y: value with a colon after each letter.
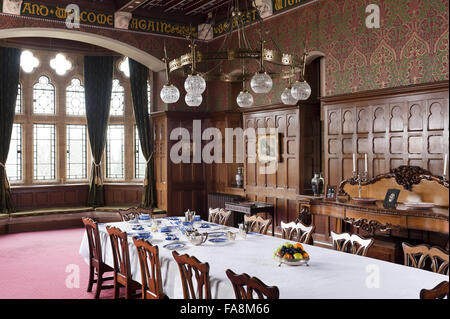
x: 393, y: 126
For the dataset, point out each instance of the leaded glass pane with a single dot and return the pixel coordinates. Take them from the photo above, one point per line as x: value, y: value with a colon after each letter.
x: 75, y: 103
x: 115, y: 152
x: 139, y: 160
x: 14, y: 161
x: 44, y: 152
x: 44, y: 97
x: 76, y: 152
x: 117, y: 99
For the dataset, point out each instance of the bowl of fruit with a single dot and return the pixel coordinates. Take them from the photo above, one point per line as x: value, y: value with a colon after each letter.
x: 291, y: 254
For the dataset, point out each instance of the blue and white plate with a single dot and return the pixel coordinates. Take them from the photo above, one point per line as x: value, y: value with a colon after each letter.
x: 217, y: 234
x: 174, y: 246
x: 218, y: 240
x: 165, y: 229
x: 171, y: 237
x: 137, y: 227
x: 197, y: 218
x: 253, y: 233
x: 205, y: 225
x: 140, y: 235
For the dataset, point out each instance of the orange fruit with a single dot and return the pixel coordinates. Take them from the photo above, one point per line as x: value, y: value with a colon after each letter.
x: 287, y: 256
x: 298, y: 245
x: 305, y: 255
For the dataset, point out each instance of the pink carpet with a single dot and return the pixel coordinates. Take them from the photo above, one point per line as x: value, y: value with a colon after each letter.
x: 44, y: 265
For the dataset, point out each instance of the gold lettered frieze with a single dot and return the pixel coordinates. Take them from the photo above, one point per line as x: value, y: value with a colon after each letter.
x: 247, y: 18
x: 39, y: 10
x: 162, y: 27
x: 281, y: 5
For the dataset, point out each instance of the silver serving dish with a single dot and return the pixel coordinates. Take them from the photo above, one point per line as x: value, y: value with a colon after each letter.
x: 196, y: 238
x: 292, y: 262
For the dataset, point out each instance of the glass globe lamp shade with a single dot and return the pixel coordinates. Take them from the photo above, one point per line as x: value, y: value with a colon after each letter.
x: 170, y: 94
x: 261, y: 83
x: 195, y: 84
x: 244, y: 99
x: 193, y: 99
x: 287, y: 98
x: 301, y: 90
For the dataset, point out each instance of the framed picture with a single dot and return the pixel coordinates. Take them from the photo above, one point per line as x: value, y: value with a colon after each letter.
x: 268, y: 148
x: 331, y: 192
x: 390, y: 200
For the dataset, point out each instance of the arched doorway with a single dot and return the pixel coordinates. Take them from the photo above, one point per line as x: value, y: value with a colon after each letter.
x: 136, y: 54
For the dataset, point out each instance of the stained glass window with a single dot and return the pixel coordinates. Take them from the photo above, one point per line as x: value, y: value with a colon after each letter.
x: 60, y: 64
x: 28, y: 61
x: 19, y: 99
x: 117, y: 99
x: 44, y: 152
x: 139, y: 160
x: 44, y: 97
x: 115, y: 152
x: 14, y: 161
x: 75, y: 103
x: 76, y: 152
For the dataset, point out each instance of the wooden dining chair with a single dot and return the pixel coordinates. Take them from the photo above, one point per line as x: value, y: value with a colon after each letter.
x: 417, y: 257
x: 96, y: 264
x: 192, y: 266
x: 150, y: 270
x: 439, y: 292
x: 245, y: 287
x: 257, y: 224
x: 351, y: 243
x: 133, y: 212
x: 121, y: 258
x: 297, y: 231
x: 219, y: 216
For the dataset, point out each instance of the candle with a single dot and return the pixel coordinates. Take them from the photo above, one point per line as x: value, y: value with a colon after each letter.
x: 365, y: 162
x: 445, y: 165
x: 354, y: 162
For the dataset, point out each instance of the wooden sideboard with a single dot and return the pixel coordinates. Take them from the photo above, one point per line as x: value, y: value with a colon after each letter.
x: 389, y: 227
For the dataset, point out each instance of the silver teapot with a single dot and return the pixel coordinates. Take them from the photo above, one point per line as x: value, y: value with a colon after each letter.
x: 197, y: 238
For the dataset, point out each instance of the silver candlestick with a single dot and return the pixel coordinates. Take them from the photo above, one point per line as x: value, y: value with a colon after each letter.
x: 360, y: 178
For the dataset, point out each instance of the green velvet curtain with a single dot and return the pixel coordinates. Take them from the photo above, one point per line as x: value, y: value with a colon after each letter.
x: 9, y: 81
x: 138, y: 81
x: 98, y: 76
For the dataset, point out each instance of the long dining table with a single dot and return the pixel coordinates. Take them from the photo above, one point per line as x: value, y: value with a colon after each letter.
x: 330, y: 274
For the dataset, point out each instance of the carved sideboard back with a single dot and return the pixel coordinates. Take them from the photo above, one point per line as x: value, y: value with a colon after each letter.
x: 414, y: 183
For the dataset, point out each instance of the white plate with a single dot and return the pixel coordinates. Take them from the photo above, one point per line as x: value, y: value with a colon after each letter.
x: 174, y: 246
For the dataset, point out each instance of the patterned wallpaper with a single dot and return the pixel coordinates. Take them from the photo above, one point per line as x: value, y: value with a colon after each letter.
x: 410, y: 47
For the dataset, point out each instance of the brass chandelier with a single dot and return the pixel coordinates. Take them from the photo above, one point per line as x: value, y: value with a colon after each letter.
x: 272, y: 64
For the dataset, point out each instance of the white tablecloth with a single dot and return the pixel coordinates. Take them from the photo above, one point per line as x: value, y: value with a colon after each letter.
x: 331, y: 274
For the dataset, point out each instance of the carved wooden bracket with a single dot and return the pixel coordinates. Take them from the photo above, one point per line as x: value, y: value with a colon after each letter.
x: 405, y: 176
x: 369, y: 226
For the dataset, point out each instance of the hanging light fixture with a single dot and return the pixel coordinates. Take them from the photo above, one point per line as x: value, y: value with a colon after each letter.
x: 193, y: 99
x: 169, y: 93
x: 244, y: 99
x: 301, y: 89
x: 211, y: 63
x: 286, y: 96
x: 195, y: 83
x: 261, y: 81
